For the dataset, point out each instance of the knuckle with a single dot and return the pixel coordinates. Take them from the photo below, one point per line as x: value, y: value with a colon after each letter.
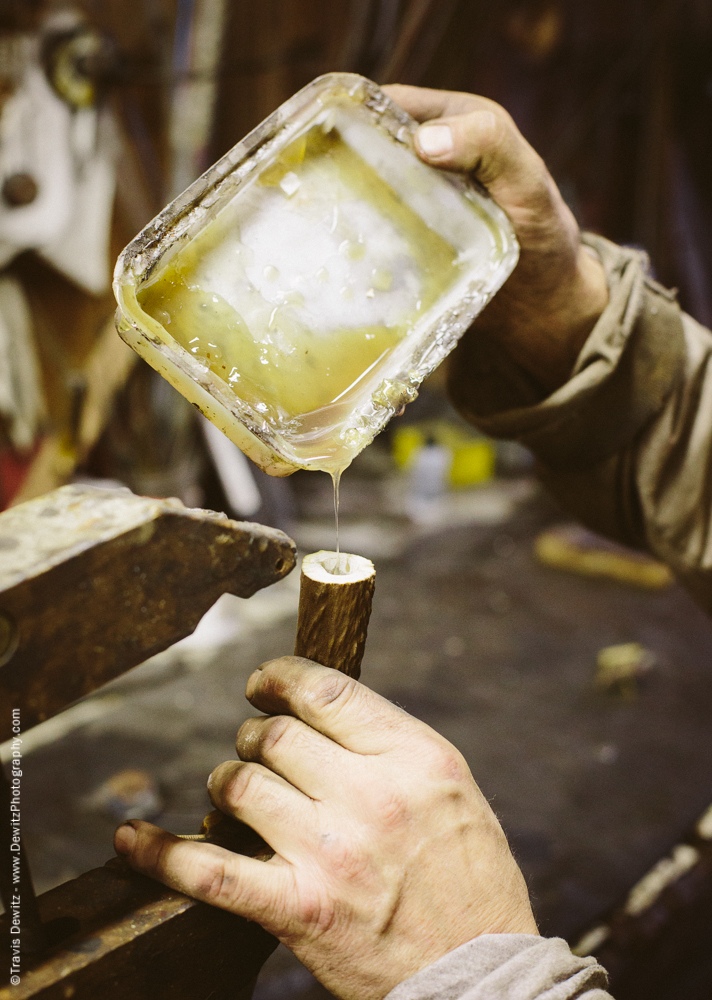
x: 449, y: 764
x: 392, y: 808
x: 274, y: 731
x: 257, y: 737
x: 243, y: 783
x: 315, y: 912
x: 347, y: 859
x: 332, y: 691
x: 217, y: 884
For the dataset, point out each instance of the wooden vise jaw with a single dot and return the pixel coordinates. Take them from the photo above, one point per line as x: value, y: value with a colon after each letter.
x: 92, y: 583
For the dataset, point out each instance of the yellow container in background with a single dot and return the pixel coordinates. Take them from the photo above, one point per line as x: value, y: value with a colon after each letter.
x: 407, y: 442
x: 472, y: 463
x: 473, y: 459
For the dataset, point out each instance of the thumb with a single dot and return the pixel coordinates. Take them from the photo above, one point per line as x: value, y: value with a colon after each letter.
x: 482, y: 142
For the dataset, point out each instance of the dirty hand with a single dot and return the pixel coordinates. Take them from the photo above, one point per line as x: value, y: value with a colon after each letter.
x: 387, y: 854
x: 550, y: 304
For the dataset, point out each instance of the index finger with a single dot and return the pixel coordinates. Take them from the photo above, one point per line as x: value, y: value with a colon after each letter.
x: 338, y: 706
x: 424, y: 104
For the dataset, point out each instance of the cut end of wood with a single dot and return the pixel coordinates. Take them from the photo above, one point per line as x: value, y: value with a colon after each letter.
x: 337, y: 568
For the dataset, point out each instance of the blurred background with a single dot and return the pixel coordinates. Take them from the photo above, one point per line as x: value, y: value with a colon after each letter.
x: 582, y: 702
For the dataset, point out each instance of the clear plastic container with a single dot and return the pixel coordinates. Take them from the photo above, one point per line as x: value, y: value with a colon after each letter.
x: 300, y: 291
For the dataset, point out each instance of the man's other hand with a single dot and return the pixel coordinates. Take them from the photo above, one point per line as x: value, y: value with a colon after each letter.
x: 550, y: 304
x: 387, y: 854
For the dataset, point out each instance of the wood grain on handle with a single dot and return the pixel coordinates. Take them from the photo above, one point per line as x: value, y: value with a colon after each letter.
x: 334, y: 609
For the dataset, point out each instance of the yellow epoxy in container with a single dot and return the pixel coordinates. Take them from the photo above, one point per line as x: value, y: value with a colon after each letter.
x: 300, y: 291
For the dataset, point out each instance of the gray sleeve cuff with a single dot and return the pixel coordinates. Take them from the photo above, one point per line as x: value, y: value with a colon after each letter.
x: 507, y: 967
x: 627, y: 368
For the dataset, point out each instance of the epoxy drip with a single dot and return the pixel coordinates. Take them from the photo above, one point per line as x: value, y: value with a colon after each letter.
x: 336, y: 479
x: 337, y: 565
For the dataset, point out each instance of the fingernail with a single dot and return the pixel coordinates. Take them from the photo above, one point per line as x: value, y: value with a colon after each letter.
x: 435, y: 141
x: 124, y: 839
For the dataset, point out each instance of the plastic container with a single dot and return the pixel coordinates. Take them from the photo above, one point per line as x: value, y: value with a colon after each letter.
x: 300, y: 291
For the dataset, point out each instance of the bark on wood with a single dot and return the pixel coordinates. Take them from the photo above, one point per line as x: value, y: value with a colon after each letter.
x: 334, y: 608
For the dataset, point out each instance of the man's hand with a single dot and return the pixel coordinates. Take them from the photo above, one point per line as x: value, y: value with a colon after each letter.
x: 550, y: 304
x: 387, y: 854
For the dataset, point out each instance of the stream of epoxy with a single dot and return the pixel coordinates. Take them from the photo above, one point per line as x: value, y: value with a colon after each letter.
x: 336, y: 479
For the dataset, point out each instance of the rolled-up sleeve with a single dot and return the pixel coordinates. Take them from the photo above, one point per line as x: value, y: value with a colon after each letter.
x: 507, y: 967
x: 626, y: 444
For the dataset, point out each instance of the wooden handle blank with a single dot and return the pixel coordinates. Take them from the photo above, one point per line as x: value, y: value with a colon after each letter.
x: 334, y: 608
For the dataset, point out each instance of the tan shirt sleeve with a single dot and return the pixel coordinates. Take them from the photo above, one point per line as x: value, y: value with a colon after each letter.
x: 507, y: 967
x: 626, y: 443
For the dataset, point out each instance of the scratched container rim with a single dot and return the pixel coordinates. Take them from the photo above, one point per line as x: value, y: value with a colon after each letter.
x: 154, y: 247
